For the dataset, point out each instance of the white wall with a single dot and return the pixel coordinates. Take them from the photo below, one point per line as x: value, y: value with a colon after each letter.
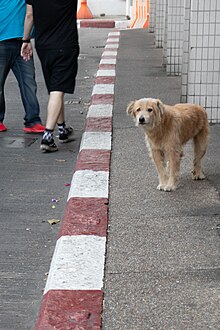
x: 107, y: 7
x: 204, y: 57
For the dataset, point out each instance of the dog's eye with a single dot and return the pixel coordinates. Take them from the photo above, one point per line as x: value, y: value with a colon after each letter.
x: 138, y: 110
x: 150, y: 110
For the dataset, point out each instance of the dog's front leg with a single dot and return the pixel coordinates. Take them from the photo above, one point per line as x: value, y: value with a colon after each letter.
x: 174, y: 168
x: 158, y: 157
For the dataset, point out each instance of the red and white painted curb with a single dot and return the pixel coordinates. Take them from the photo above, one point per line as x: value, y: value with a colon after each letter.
x: 73, y: 294
x: 104, y: 23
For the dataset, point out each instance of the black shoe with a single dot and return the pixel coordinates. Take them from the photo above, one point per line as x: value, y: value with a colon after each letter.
x: 64, y: 136
x: 48, y: 146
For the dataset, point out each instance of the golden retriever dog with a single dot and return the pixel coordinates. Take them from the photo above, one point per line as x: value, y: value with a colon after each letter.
x: 167, y: 129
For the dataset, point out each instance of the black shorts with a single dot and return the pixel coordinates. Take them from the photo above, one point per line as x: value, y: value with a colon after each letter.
x: 59, y: 68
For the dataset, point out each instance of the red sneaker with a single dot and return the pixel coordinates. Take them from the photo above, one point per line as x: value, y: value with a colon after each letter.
x: 37, y: 128
x: 3, y: 128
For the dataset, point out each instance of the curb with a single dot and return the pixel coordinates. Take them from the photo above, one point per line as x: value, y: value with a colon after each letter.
x: 73, y: 295
x: 103, y: 23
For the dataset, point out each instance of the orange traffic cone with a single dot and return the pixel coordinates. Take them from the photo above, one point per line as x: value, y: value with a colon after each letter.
x: 84, y: 11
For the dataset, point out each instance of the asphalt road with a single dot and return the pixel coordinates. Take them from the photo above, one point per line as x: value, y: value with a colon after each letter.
x: 29, y: 182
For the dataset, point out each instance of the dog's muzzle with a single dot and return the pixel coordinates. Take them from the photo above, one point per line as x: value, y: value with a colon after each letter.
x: 141, y: 120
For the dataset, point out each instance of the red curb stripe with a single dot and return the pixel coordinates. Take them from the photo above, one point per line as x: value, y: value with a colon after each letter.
x: 105, y: 80
x: 85, y: 216
x: 102, y: 99
x: 103, y: 124
x: 67, y: 309
x: 95, y: 160
x: 107, y: 66
x: 82, y: 309
x: 97, y: 24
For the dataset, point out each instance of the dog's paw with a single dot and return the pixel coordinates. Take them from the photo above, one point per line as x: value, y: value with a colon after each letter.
x: 169, y: 188
x: 160, y: 187
x: 198, y: 176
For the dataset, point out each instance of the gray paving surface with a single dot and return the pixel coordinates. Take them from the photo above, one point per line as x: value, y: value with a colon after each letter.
x: 29, y: 180
x: 162, y: 268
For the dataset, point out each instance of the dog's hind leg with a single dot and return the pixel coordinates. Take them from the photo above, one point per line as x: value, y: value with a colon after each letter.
x: 200, y: 146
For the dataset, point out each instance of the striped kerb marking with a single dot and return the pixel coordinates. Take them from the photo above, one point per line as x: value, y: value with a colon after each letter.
x: 96, y: 140
x: 109, y: 53
x: 73, y: 293
x: 106, y: 73
x: 111, y: 45
x: 77, y: 263
x: 89, y: 183
x: 98, y: 160
x: 103, y: 89
x: 100, y: 110
x: 85, y: 216
x: 108, y: 61
x: 99, y: 124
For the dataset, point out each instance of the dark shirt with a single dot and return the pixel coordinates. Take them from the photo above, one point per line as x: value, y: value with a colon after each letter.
x: 55, y: 23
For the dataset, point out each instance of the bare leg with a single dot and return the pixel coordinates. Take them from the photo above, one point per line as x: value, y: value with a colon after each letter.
x: 61, y: 118
x: 55, y: 109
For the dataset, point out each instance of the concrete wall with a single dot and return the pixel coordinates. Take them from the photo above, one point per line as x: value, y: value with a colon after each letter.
x: 175, y: 34
x: 159, y: 22
x: 107, y: 7
x: 203, y: 82
x: 152, y: 16
x: 189, y: 32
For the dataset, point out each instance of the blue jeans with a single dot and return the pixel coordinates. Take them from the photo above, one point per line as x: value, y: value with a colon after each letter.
x: 24, y: 72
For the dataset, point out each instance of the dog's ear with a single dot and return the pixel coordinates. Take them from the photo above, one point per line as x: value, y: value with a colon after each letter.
x: 130, y: 108
x: 160, y: 106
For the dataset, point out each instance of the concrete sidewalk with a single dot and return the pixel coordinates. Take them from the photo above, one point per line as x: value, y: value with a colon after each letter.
x: 162, y: 265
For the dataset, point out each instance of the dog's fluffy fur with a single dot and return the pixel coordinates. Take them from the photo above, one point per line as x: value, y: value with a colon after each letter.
x: 167, y: 129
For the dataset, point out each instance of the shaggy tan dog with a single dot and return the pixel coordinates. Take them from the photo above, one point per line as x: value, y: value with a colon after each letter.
x: 167, y: 129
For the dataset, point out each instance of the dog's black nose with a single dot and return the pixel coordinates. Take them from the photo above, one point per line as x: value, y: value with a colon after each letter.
x: 141, y: 120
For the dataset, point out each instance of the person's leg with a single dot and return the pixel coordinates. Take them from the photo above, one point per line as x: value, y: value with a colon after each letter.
x: 25, y: 75
x: 55, y: 109
x: 57, y: 69
x: 6, y: 55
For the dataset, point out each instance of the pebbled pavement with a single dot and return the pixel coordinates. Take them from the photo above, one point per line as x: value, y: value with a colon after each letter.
x: 162, y: 266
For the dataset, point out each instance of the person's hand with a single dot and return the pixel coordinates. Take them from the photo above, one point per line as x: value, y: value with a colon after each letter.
x: 26, y: 51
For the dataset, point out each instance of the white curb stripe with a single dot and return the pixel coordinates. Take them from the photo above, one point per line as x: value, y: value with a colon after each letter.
x: 79, y: 260
x: 96, y: 140
x: 105, y: 73
x: 109, y: 53
x: 103, y: 89
x: 108, y: 61
x: 77, y: 264
x: 114, y: 33
x: 88, y: 183
x: 112, y: 46
x: 100, y: 110
x: 115, y: 40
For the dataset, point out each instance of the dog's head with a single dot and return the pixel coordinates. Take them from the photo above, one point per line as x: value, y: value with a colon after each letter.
x: 146, y: 112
